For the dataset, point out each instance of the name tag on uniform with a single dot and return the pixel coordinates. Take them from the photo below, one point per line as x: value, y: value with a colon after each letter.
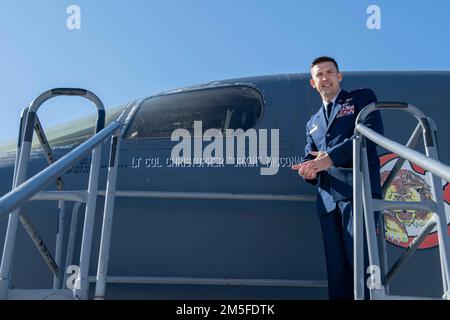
x: 346, y: 111
x: 314, y: 128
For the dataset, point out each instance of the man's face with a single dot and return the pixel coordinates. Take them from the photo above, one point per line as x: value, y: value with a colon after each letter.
x: 326, y: 79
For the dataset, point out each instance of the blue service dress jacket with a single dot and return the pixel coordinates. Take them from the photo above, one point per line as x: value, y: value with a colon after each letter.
x: 335, y: 137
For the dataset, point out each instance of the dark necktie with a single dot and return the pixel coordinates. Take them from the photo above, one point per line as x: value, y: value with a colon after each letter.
x: 328, y: 110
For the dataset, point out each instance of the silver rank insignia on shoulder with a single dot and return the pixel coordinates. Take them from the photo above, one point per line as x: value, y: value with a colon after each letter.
x: 314, y: 128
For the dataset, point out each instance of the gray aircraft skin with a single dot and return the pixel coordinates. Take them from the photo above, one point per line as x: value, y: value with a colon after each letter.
x: 215, y: 238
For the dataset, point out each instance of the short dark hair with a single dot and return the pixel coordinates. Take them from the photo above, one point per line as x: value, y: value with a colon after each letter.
x: 318, y: 60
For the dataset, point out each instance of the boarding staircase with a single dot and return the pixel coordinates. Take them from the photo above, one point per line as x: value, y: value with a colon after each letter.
x: 23, y: 190
x: 76, y: 286
x: 366, y: 206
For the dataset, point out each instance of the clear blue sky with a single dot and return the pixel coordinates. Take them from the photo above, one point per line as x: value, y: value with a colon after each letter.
x: 131, y: 49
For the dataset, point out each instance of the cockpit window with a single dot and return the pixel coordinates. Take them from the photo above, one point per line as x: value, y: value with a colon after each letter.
x: 237, y: 107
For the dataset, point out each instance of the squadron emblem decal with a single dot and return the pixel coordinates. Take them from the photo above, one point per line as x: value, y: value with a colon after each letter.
x: 410, y: 184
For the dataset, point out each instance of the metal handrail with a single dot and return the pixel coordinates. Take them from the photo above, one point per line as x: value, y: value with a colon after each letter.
x: 427, y: 163
x: 47, y: 95
x: 363, y: 200
x: 31, y: 187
